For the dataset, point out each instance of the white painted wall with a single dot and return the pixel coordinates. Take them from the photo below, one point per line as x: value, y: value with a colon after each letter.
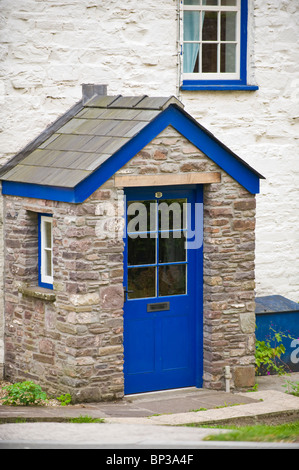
x: 50, y: 47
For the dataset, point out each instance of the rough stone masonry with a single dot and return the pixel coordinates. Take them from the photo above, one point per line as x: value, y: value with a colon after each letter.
x: 71, y: 339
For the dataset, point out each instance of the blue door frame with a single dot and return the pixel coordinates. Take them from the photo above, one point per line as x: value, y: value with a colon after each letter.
x: 163, y: 334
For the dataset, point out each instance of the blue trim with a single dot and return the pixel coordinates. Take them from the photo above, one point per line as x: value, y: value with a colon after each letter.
x: 196, y: 85
x: 174, y: 116
x: 238, y: 85
x: 40, y: 283
x: 51, y: 193
x: 199, y: 327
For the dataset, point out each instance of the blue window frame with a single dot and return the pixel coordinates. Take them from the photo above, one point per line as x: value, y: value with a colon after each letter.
x: 45, y: 251
x: 214, y: 45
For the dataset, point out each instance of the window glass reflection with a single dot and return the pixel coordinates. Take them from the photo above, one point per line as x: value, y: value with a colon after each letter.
x: 172, y: 280
x: 141, y: 250
x: 172, y: 248
x: 142, y: 282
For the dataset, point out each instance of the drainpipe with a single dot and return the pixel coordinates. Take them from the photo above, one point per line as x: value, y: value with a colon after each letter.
x: 179, y: 47
x: 227, y: 376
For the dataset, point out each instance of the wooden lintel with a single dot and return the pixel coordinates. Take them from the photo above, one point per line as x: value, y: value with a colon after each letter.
x: 39, y: 209
x: 130, y: 181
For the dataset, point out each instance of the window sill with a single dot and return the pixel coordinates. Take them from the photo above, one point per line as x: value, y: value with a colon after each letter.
x: 225, y: 87
x: 38, y: 293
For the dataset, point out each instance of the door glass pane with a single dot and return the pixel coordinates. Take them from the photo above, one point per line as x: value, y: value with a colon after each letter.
x: 141, y: 250
x: 142, y: 281
x: 209, y: 58
x: 191, y: 2
x: 172, y: 214
x: 172, y: 280
x: 172, y: 248
x: 209, y: 27
x: 141, y: 216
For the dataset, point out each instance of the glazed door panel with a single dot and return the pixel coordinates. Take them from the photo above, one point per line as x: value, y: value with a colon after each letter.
x: 160, y: 310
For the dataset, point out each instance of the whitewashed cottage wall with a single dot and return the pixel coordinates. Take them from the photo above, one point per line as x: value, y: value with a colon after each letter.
x: 48, y: 48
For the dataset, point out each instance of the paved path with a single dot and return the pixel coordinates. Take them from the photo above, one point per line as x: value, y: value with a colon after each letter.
x: 148, y: 420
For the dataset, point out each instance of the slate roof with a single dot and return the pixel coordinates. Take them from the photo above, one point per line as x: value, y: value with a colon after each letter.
x: 83, y: 139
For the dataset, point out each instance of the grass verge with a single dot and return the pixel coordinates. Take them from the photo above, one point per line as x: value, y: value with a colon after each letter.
x: 287, y: 432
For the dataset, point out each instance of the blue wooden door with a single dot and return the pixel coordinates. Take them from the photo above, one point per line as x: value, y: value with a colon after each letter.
x: 163, y: 289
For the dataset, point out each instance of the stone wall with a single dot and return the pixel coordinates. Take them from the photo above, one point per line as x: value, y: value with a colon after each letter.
x: 71, y: 339
x: 68, y: 339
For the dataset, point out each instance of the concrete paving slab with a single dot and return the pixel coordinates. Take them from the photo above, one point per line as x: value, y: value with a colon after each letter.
x: 103, y: 434
x: 275, y: 382
x: 267, y: 402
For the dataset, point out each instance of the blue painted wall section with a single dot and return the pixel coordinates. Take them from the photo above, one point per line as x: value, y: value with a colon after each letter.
x: 280, y: 315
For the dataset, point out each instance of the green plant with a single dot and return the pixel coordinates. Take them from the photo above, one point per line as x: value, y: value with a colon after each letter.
x: 86, y: 419
x: 65, y: 399
x: 254, y: 388
x: 268, y: 354
x: 287, y: 432
x: 198, y: 409
x: 292, y: 388
x: 23, y: 393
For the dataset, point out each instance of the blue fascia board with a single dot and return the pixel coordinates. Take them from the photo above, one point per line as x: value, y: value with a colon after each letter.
x: 173, y: 116
x: 36, y: 191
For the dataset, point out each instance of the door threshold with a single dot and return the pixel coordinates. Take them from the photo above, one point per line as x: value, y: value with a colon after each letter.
x: 162, y: 392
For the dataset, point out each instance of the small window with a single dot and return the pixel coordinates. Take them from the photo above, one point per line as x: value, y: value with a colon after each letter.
x: 46, y: 251
x: 214, y: 42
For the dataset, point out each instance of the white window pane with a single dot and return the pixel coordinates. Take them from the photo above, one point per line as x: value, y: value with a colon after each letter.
x: 191, y: 58
x: 210, y: 2
x: 209, y: 26
x: 228, y: 58
x: 192, y: 2
x: 48, y: 234
x: 191, y: 26
x: 48, y: 262
x: 228, y: 26
x: 209, y: 58
x: 229, y: 3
